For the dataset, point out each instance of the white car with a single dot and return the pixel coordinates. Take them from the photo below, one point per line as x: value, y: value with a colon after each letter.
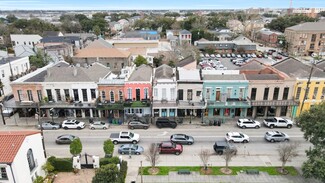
x: 218, y: 55
x: 98, y: 125
x: 237, y: 137
x: 207, y: 55
x: 253, y: 55
x: 212, y: 56
x: 238, y: 56
x: 73, y: 124
x: 248, y: 123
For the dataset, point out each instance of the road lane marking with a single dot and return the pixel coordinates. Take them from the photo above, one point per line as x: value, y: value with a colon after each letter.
x: 157, y: 137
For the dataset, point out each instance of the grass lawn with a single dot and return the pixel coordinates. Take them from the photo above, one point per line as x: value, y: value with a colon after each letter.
x: 164, y: 170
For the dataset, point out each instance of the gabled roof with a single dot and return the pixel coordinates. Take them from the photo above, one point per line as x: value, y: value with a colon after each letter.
x: 58, y: 39
x: 184, y: 32
x: 23, y: 50
x: 141, y: 73
x: 99, y: 43
x: 253, y: 65
x: 308, y: 26
x: 10, y: 143
x: 164, y: 72
x: 188, y: 60
x: 51, y: 33
x: 102, y: 53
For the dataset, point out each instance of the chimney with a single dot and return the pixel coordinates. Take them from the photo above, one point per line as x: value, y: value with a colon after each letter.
x: 75, y: 71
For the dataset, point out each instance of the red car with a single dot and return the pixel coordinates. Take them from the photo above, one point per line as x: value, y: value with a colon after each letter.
x: 170, y: 148
x: 278, y: 57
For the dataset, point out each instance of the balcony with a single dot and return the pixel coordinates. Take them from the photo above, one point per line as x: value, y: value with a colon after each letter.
x: 142, y: 103
x: 230, y: 103
x: 275, y: 103
x: 107, y: 105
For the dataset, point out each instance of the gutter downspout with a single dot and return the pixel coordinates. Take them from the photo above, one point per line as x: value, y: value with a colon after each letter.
x: 12, y: 173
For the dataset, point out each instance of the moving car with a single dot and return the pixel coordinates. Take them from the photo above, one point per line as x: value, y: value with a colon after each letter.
x: 276, y: 136
x: 170, y: 148
x: 138, y: 124
x: 49, y: 125
x: 237, y: 137
x: 65, y: 139
x: 182, y: 139
x: 73, y: 124
x: 133, y: 148
x: 220, y: 147
x: 125, y: 137
x: 248, y: 123
x: 98, y: 125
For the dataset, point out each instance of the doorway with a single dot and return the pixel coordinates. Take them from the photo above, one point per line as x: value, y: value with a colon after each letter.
x: 137, y: 94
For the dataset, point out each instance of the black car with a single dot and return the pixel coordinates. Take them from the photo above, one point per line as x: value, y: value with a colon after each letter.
x: 165, y: 123
x: 220, y: 147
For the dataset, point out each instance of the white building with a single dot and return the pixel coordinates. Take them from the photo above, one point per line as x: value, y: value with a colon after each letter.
x: 10, y: 69
x: 21, y: 156
x: 25, y: 39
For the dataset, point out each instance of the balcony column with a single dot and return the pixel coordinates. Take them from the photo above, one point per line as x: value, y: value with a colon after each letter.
x: 91, y: 113
x: 99, y: 114
x: 83, y: 113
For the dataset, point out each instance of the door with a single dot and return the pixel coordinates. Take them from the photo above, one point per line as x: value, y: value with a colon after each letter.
x: 217, y: 94
x: 137, y: 94
x: 282, y: 123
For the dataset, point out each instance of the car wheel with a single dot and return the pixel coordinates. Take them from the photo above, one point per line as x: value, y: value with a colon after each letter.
x: 65, y: 128
x: 174, y: 127
x: 231, y: 141
x: 92, y: 128
x: 137, y: 153
x: 104, y: 128
x: 272, y: 140
x: 145, y: 127
x: 134, y: 142
x: 243, y: 127
x: 79, y: 128
x: 286, y: 140
x: 115, y: 142
x: 177, y: 153
x: 245, y: 141
x: 272, y: 126
x: 122, y: 152
x: 189, y: 143
x: 219, y: 152
x: 54, y: 128
x: 289, y: 126
x: 132, y: 127
x: 257, y: 127
x: 158, y: 126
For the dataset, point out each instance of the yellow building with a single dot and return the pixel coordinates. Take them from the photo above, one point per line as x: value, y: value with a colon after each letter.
x: 301, y: 72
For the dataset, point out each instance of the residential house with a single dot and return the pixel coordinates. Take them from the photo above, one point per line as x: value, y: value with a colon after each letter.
x: 29, y: 40
x: 270, y: 91
x: 268, y: 37
x: 74, y: 40
x: 99, y: 43
x: 164, y: 92
x: 85, y: 37
x: 70, y: 90
x: 315, y: 93
x: 57, y: 51
x: 142, y: 34
x: 138, y: 92
x: 23, y: 51
x: 21, y: 156
x: 179, y: 37
x: 187, y: 63
x: 306, y: 38
x: 253, y: 26
x: 115, y: 26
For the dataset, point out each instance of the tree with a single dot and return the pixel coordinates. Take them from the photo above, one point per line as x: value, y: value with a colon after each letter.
x: 171, y: 63
x: 75, y: 147
x: 140, y: 60
x: 39, y: 60
x: 158, y: 61
x: 39, y: 179
x: 205, y: 156
x: 11, y: 18
x: 287, y: 151
x: 48, y: 168
x: 108, y: 148
x: 97, y: 30
x: 312, y: 123
x: 228, y: 154
x: 281, y: 23
x: 152, y: 155
x: 322, y: 13
x: 106, y: 174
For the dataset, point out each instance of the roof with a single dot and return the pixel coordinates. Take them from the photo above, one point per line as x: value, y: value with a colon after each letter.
x: 269, y: 32
x: 51, y: 33
x: 184, y: 32
x: 19, y: 36
x: 185, y: 61
x: 295, y: 68
x: 253, y: 65
x: 262, y: 76
x: 308, y: 26
x: 102, y: 52
x: 242, y: 39
x: 228, y: 77
x: 141, y: 73
x: 99, y: 43
x: 67, y: 39
x: 138, y: 51
x: 189, y: 75
x: 164, y: 72
x: 23, y: 50
x: 10, y: 143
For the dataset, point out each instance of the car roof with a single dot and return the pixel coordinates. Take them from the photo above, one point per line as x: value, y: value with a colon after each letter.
x: 245, y: 119
x: 129, y: 145
x: 65, y: 135
x: 221, y: 143
x: 274, y: 132
x: 233, y: 133
x: 179, y: 135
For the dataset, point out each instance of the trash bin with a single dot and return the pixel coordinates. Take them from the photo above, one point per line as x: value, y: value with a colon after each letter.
x: 215, y: 122
x: 219, y: 123
x: 133, y: 182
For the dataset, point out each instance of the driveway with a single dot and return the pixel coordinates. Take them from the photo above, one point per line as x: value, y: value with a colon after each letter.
x: 83, y: 176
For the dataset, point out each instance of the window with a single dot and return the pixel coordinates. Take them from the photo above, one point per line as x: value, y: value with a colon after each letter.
x: 312, y: 46
x: 253, y: 93
x: 172, y: 93
x: 229, y: 90
x: 112, y: 98
x: 93, y: 93
x: 208, y: 93
x: 315, y: 92
x: 218, y: 94
x: 76, y: 94
x: 322, y: 35
x: 198, y: 93
x: 39, y: 95
x: 164, y: 93
x: 276, y: 93
x: 241, y: 92
x: 298, y: 93
x: 107, y: 65
x: 103, y: 96
x: 285, y: 93
x: 129, y: 93
x: 3, y: 73
x: 58, y: 95
x: 20, y: 95
x: 30, y: 159
x: 180, y: 95
x: 66, y: 94
x: 49, y: 95
x: 30, y: 95
x: 84, y: 95
x: 3, y: 174
x: 189, y: 94
x: 266, y: 94
x: 155, y: 92
x: 120, y: 93
x: 313, y: 38
x: 146, y: 93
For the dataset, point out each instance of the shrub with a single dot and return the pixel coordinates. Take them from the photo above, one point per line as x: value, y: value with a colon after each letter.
x: 123, y: 172
x: 61, y: 164
x: 108, y: 148
x: 105, y: 161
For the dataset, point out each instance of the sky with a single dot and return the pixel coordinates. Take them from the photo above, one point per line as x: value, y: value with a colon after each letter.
x: 153, y: 4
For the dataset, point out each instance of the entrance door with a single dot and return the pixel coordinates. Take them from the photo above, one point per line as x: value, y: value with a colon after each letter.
x: 137, y: 93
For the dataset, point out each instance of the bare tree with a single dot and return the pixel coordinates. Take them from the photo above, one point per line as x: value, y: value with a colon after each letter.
x: 287, y: 151
x: 205, y: 156
x: 228, y: 154
x: 152, y: 155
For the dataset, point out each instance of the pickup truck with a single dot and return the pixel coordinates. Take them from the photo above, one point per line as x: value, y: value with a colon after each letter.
x: 278, y: 122
x: 125, y: 137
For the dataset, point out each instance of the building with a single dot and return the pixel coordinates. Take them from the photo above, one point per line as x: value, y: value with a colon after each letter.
x: 270, y: 91
x: 164, y: 91
x: 21, y: 156
x: 179, y: 37
x: 306, y: 38
x: 142, y: 34
x: 29, y: 40
x: 23, y: 51
x: 268, y: 37
x: 57, y: 51
x: 310, y: 12
x: 301, y: 72
x: 12, y: 68
x: 76, y: 41
x: 188, y: 63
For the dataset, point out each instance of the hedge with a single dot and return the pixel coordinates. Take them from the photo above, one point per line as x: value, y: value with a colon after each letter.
x: 123, y: 171
x: 61, y: 164
x: 112, y: 160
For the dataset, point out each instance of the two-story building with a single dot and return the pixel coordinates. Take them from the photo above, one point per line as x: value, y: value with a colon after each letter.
x: 179, y: 37
x: 29, y: 40
x: 268, y: 37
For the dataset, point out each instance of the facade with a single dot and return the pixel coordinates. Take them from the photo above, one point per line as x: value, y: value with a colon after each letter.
x: 270, y: 91
x: 164, y: 91
x: 29, y: 40
x: 179, y: 37
x: 143, y: 34
x: 306, y: 38
x: 310, y: 12
x: 300, y: 72
x: 268, y: 37
x: 21, y: 156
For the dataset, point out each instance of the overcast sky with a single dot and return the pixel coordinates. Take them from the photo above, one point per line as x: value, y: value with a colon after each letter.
x: 152, y: 4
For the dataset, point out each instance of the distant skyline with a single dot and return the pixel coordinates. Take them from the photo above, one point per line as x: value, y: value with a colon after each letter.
x: 153, y: 5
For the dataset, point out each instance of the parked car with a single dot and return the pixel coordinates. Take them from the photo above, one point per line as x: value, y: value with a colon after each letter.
x: 73, y: 124
x: 237, y: 137
x: 239, y: 63
x: 124, y: 137
x: 243, y: 55
x: 228, y: 55
x: 98, y: 125
x: 249, y: 55
x: 259, y: 56
x: 138, y: 124
x: 49, y: 125
x: 233, y: 55
x: 223, y: 55
x: 253, y: 55
x: 170, y: 148
x: 182, y: 139
x: 7, y: 112
x: 238, y: 56
x: 65, y: 139
x: 276, y: 136
x: 220, y: 147
x: 133, y: 148
x: 7, y: 98
x: 212, y: 56
x: 248, y: 123
x: 278, y: 57
x: 165, y: 122
x: 201, y: 55
x: 278, y: 122
x: 207, y: 55
x: 218, y: 55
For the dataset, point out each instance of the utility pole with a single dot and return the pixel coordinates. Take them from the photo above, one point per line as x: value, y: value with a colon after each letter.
x: 141, y: 172
x: 42, y: 134
x: 1, y: 110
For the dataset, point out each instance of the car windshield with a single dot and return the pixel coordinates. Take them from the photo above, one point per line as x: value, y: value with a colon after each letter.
x: 77, y: 122
x: 242, y: 135
x: 131, y: 135
x: 52, y: 123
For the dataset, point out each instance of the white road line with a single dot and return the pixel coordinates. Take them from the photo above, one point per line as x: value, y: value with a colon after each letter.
x: 161, y: 136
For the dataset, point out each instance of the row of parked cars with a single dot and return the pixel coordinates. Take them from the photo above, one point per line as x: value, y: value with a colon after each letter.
x: 212, y: 64
x: 233, y: 55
